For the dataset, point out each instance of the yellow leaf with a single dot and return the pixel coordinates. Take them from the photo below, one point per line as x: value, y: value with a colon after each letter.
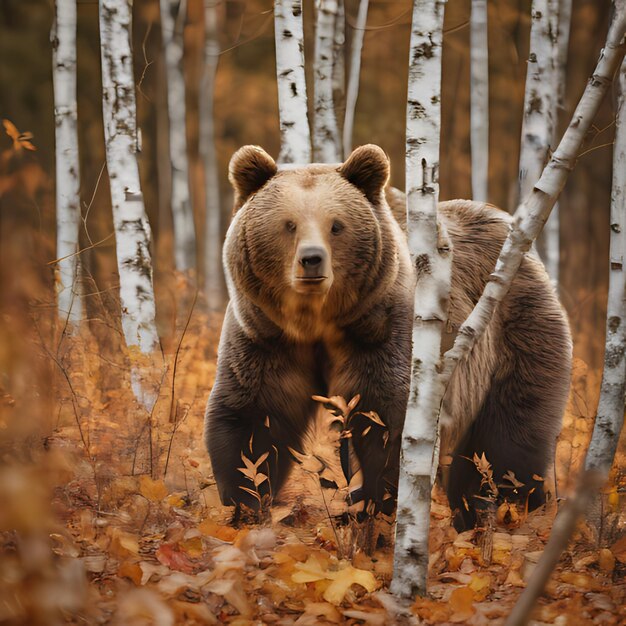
x: 344, y: 579
x: 192, y: 546
x: 480, y: 584
x: 123, y: 543
x: 175, y: 500
x: 153, y: 490
x: 309, y: 571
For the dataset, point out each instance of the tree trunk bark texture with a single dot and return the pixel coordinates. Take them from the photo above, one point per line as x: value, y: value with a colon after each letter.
x: 539, y: 97
x: 431, y: 256
x: 213, y: 273
x: 132, y: 230
x: 352, y: 90
x: 479, y: 93
x: 172, y: 23
x: 610, y: 415
x: 295, y: 136
x: 326, y: 147
x: 67, y: 164
x: 549, y: 245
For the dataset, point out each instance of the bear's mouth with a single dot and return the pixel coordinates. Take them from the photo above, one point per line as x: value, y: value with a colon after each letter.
x: 311, y: 280
x: 311, y: 285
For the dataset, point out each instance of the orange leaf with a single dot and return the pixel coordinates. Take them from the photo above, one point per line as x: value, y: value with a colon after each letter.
x: 212, y: 529
x: 432, y: 611
x: 461, y: 602
x: 11, y: 129
x: 131, y: 570
x: 153, y: 490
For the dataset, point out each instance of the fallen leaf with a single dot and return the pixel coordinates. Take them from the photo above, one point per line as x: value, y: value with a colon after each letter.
x: 461, y: 603
x: 153, y: 490
x: 213, y: 529
x: 131, y: 570
x: 169, y: 554
x: 480, y: 584
x: 232, y: 591
x: 433, y: 611
x: 344, y: 579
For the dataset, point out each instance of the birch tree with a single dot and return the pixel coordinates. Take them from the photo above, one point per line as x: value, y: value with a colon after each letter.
x: 479, y: 105
x: 172, y: 23
x: 539, y: 96
x: 67, y: 167
x: 132, y: 230
x: 326, y: 148
x: 549, y: 244
x: 610, y: 416
x: 339, y: 66
x: 429, y: 251
x: 295, y: 137
x: 610, y: 413
x: 352, y: 90
x: 213, y: 277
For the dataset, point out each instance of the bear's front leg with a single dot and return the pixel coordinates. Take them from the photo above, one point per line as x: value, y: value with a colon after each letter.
x: 237, y: 442
x: 379, y: 373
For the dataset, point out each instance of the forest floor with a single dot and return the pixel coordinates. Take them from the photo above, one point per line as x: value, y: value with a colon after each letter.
x: 144, y: 539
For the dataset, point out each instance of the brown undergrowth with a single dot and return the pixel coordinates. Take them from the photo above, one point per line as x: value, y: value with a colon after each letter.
x: 109, y: 514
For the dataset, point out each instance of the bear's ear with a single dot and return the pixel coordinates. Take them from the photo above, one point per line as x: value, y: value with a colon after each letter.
x: 368, y: 169
x: 249, y: 169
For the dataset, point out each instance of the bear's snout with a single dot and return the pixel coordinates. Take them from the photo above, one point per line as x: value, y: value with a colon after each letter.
x: 312, y: 268
x: 312, y: 259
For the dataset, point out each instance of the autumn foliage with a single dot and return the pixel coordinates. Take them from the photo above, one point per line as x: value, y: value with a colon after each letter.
x: 110, y: 515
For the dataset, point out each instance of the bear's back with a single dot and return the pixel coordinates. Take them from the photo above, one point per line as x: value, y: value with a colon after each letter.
x: 529, y: 331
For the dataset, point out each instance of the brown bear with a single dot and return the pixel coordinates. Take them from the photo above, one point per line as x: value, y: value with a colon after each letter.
x: 322, y: 287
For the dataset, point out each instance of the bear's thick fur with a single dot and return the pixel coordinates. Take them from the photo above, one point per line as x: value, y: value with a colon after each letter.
x: 322, y: 288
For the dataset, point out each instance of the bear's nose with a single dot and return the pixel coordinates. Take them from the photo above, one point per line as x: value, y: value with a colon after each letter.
x: 312, y: 257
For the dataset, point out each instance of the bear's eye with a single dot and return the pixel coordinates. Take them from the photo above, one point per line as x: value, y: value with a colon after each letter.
x: 290, y: 226
x: 336, y: 228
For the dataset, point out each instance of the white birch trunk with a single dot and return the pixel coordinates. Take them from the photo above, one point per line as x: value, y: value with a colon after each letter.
x: 213, y: 276
x: 479, y: 107
x: 326, y: 147
x: 352, y: 90
x: 539, y: 97
x: 132, y: 230
x: 339, y: 67
x: 172, y: 23
x: 610, y: 415
x: 606, y: 432
x: 533, y: 213
x: 430, y: 254
x: 549, y: 247
x: 67, y: 165
x: 295, y: 136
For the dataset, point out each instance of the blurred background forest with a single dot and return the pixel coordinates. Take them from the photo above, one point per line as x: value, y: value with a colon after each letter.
x: 131, y: 488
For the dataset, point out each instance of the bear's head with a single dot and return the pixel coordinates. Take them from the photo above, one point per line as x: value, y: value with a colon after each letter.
x: 309, y: 245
